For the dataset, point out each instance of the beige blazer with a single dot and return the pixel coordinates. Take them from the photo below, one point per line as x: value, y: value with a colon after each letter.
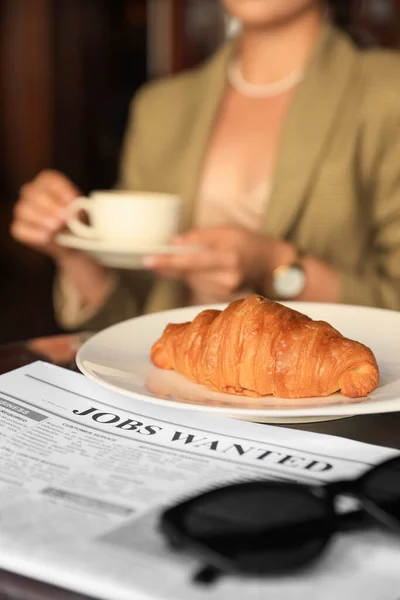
x: 336, y: 190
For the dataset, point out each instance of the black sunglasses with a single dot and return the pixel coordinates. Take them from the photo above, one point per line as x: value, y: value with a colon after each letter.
x: 267, y: 527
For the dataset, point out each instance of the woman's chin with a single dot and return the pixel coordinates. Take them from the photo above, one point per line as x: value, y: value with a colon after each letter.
x: 255, y: 14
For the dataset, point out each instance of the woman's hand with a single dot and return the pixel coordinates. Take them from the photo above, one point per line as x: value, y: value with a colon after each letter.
x: 39, y: 214
x: 41, y: 211
x: 230, y: 258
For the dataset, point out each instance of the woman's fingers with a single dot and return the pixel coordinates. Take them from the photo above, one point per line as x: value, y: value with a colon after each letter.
x: 57, y: 185
x: 44, y: 216
x: 42, y: 198
x: 221, y: 284
x: 203, y: 261
x: 210, y: 237
x: 47, y: 202
x: 41, y: 210
x: 29, y: 234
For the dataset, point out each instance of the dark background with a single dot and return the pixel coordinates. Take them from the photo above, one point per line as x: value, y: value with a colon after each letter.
x: 68, y: 69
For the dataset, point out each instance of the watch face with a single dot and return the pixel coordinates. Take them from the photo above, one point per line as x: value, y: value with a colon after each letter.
x: 289, y: 282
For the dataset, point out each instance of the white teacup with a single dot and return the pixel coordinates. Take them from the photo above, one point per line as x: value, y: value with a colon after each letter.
x: 142, y: 218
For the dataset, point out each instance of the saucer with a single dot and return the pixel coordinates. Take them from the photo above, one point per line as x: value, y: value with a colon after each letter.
x: 119, y: 254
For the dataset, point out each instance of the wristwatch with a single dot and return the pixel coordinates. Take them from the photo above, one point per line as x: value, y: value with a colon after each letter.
x: 288, y: 281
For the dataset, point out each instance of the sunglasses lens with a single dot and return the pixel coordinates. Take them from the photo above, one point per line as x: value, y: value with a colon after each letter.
x: 382, y: 487
x: 261, y: 529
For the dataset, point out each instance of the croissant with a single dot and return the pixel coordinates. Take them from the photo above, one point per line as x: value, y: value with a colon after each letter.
x: 257, y: 347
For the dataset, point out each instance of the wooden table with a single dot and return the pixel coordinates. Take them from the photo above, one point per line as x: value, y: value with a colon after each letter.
x: 383, y: 430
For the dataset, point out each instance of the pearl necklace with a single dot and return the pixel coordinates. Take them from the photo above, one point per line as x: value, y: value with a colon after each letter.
x: 252, y: 90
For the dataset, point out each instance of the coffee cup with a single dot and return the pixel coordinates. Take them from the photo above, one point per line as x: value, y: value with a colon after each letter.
x: 140, y: 218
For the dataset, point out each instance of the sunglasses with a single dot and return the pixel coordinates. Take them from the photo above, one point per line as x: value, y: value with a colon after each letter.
x: 271, y: 528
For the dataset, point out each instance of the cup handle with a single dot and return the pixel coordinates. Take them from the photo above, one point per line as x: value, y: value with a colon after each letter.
x: 75, y: 224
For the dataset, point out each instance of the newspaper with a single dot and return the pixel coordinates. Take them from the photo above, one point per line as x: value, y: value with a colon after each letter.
x: 85, y: 472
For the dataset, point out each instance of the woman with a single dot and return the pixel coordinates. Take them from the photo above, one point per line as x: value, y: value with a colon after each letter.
x: 286, y: 149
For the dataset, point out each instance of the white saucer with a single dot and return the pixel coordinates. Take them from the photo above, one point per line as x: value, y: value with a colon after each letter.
x: 119, y: 254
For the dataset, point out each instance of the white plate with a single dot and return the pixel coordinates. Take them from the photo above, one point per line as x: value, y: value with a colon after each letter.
x: 118, y: 358
x: 119, y: 255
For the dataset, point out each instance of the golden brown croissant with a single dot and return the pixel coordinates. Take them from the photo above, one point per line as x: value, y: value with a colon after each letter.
x: 256, y: 347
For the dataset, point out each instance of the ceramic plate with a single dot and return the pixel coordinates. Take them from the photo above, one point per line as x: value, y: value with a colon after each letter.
x: 119, y: 255
x: 118, y: 358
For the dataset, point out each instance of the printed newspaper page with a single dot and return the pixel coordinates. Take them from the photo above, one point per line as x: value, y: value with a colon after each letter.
x: 85, y: 472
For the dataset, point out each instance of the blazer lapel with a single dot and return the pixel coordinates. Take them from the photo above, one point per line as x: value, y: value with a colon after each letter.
x: 208, y: 92
x: 310, y: 120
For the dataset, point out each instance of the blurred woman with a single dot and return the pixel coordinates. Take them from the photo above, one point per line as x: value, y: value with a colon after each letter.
x: 285, y: 147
